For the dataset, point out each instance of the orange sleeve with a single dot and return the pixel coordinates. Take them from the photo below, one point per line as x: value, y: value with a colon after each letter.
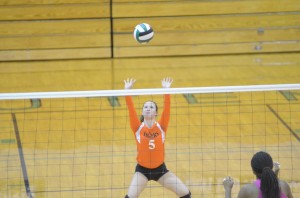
x: 165, y: 117
x: 134, y: 121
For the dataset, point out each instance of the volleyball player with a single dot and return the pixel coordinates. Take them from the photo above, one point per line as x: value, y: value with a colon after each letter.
x: 267, y: 184
x: 150, y: 138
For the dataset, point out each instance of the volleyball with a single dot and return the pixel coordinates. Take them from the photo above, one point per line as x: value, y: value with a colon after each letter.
x: 143, y: 33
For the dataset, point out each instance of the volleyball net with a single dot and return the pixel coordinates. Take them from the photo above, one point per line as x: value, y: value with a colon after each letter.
x: 79, y: 144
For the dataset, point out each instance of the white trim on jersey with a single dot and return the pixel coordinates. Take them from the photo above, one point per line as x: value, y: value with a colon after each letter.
x: 162, y: 132
x: 138, y: 133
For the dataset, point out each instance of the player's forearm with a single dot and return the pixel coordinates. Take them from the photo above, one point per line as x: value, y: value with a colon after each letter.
x: 134, y: 121
x: 227, y: 193
x: 165, y: 117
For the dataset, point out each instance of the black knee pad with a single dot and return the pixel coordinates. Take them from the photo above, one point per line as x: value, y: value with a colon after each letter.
x: 126, y: 196
x: 187, y: 196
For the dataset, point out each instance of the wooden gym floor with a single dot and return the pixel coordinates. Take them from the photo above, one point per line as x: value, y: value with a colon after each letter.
x: 84, y: 147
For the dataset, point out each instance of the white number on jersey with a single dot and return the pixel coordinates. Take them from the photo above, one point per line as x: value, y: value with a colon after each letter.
x: 151, y: 144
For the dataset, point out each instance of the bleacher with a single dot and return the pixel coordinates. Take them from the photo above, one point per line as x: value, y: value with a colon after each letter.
x: 77, y: 29
x: 53, y: 30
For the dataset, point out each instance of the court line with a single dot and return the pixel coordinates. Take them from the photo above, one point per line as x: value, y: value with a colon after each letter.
x: 21, y: 155
x: 283, y: 122
x: 147, y: 187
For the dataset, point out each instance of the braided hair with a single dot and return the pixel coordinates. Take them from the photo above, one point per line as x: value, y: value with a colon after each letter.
x: 262, y: 165
x: 142, y: 117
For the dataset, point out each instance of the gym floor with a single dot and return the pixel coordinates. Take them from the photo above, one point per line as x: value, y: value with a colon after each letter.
x: 83, y: 147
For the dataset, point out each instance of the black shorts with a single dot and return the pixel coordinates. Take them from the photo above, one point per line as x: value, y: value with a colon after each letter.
x: 154, y: 173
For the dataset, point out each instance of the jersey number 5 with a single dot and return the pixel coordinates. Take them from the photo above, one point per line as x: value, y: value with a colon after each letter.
x: 151, y: 144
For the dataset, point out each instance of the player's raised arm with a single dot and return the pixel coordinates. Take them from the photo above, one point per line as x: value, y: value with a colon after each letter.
x: 134, y: 121
x: 276, y: 168
x: 166, y: 82
x: 165, y: 117
x: 128, y: 83
x: 228, y: 184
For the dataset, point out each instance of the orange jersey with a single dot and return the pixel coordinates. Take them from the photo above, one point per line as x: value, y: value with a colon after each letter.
x: 150, y: 141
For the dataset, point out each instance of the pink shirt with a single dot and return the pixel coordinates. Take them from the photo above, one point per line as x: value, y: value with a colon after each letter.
x: 257, y: 184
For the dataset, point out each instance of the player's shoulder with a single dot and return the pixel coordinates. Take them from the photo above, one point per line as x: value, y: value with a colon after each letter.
x: 248, y: 190
x: 283, y: 183
x: 284, y: 187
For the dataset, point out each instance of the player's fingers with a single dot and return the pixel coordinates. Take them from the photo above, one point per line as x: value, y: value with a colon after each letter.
x: 169, y: 79
x: 228, y: 178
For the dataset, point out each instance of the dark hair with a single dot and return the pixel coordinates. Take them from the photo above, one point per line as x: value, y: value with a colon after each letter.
x: 262, y: 165
x: 142, y: 117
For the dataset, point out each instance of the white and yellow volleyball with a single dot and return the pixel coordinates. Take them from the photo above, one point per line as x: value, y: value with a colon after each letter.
x: 143, y: 33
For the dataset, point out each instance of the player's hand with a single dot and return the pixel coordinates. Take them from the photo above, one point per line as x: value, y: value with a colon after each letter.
x: 128, y: 83
x: 166, y: 82
x: 228, y: 183
x: 276, y: 168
